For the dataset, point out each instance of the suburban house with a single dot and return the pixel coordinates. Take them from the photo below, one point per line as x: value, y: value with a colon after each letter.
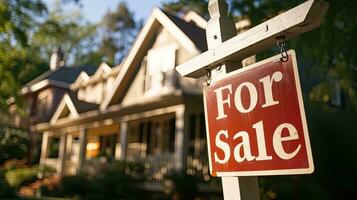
x: 43, y: 94
x: 140, y: 111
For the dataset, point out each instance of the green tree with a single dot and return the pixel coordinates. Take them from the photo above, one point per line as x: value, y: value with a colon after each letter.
x: 14, y: 144
x: 67, y: 30
x: 328, y: 51
x: 199, y: 6
x: 119, y: 29
x: 16, y: 20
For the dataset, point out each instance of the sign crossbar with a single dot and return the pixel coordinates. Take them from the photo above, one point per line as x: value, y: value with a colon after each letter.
x: 289, y: 24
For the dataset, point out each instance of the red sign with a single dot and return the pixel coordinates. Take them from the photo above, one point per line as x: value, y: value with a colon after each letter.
x: 256, y: 121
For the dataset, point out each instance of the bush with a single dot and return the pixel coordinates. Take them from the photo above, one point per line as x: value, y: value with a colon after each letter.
x: 14, y: 143
x: 74, y: 186
x: 111, y: 183
x: 180, y: 186
x: 21, y: 176
x: 5, y: 190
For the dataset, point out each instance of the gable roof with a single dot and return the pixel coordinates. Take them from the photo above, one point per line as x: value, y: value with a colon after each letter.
x: 74, y: 106
x: 83, y: 77
x: 103, y: 68
x: 192, y: 16
x: 191, y: 37
x: 61, y: 77
x: 195, y: 33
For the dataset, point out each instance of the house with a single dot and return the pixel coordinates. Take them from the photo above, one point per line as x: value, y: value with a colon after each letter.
x: 140, y: 111
x: 42, y: 96
x: 43, y: 93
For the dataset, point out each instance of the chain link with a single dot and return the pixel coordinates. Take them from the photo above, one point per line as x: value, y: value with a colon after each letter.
x: 280, y: 41
x: 208, y: 77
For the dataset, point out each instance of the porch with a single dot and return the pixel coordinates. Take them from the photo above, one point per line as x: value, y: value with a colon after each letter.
x: 150, y: 144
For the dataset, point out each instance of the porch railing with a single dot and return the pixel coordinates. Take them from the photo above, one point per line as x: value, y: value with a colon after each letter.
x: 153, y: 167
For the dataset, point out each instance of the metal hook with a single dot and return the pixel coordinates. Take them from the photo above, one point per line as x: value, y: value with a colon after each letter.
x: 208, y: 77
x: 280, y: 41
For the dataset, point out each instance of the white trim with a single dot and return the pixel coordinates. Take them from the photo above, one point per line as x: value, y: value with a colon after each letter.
x: 196, y: 18
x: 66, y: 101
x: 175, y: 31
x: 83, y: 76
x: 42, y: 84
x: 310, y: 167
x: 156, y: 16
x: 102, y: 69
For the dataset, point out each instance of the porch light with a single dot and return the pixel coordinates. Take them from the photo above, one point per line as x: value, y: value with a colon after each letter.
x: 93, y: 146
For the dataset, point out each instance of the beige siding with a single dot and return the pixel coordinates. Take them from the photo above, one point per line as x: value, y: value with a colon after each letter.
x: 188, y: 85
x: 136, y: 90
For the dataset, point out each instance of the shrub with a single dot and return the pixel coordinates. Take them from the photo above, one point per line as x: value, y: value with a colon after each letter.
x: 180, y: 186
x: 74, y: 186
x: 14, y: 143
x: 21, y: 176
x: 111, y: 183
x: 5, y: 190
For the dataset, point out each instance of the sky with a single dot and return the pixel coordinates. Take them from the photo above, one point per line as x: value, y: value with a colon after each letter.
x: 94, y: 10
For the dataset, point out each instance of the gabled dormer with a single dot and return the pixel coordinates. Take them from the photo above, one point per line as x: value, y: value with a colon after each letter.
x: 93, y: 89
x: 148, y: 73
x: 160, y: 62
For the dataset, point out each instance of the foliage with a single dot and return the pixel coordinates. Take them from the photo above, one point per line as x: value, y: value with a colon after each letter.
x: 14, y: 144
x: 119, y: 29
x: 111, y: 183
x: 5, y: 190
x: 328, y: 51
x: 67, y: 30
x: 199, y: 6
x: 16, y: 19
x: 21, y: 176
x: 180, y: 186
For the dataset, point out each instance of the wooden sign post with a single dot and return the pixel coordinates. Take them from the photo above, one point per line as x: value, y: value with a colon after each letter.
x: 225, y: 52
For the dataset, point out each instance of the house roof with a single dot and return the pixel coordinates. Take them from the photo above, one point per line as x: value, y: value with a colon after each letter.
x: 61, y: 77
x: 74, y: 106
x: 190, y: 36
x: 195, y: 33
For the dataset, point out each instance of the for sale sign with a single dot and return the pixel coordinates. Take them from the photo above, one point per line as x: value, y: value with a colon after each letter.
x: 256, y: 121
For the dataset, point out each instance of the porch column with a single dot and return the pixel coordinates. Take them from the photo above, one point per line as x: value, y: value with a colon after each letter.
x: 120, y: 153
x: 61, y: 160
x: 83, y: 134
x: 44, y: 151
x: 179, y: 156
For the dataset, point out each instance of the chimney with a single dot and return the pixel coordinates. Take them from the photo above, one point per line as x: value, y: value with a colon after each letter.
x: 56, y: 60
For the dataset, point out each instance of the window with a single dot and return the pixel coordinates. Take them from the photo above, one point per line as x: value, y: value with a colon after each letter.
x: 160, y: 74
x: 153, y: 136
x: 42, y: 105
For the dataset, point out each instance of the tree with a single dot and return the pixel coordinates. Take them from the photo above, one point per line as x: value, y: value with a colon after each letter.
x: 119, y: 29
x: 16, y: 20
x: 328, y: 51
x: 14, y: 144
x: 199, y: 6
x: 67, y: 30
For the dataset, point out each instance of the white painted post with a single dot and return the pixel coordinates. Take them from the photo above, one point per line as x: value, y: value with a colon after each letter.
x: 46, y: 138
x: 219, y: 29
x: 123, y: 140
x: 179, y: 138
x: 61, y: 160
x: 83, y: 134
